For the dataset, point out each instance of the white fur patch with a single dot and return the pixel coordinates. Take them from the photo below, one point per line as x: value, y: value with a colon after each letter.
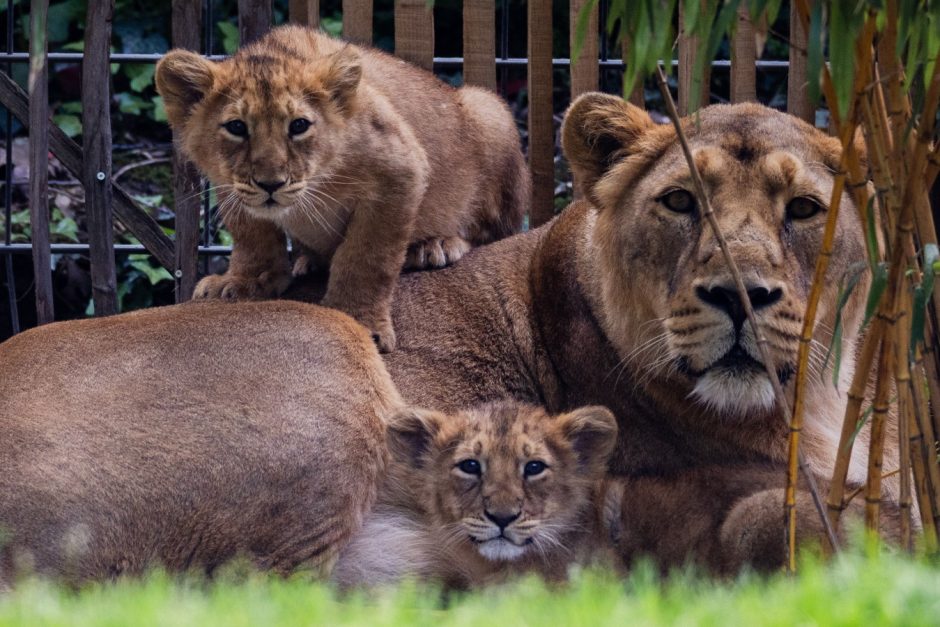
x: 500, y: 549
x: 734, y: 392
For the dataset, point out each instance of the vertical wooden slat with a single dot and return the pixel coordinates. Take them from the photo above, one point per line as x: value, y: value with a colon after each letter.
x: 479, y: 43
x: 357, y: 21
x: 304, y: 12
x: 96, y: 135
x: 187, y: 27
x: 541, y: 128
x: 688, y: 51
x: 637, y: 97
x: 584, y: 71
x: 39, y: 159
x: 743, y: 58
x: 797, y: 94
x: 414, y: 32
x: 254, y: 19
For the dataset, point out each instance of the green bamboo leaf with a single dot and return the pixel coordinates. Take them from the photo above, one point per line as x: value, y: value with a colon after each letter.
x: 922, y: 295
x: 581, y: 27
x: 862, y: 419
x: 871, y: 237
x: 879, y: 281
x: 848, y: 283
x: 814, y: 51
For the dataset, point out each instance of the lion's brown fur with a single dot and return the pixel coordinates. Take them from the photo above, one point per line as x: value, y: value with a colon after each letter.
x: 393, y: 157
x: 432, y: 519
x: 153, y: 440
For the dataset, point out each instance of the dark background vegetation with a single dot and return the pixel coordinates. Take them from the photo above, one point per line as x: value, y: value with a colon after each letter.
x: 142, y: 140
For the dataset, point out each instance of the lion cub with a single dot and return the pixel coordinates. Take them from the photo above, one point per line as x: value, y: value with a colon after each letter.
x: 352, y: 153
x: 497, y: 490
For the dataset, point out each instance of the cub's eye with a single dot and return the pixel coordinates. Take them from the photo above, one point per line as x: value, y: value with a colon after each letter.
x: 236, y: 128
x: 298, y: 126
x: 534, y: 468
x: 470, y: 466
x: 802, y: 208
x: 679, y: 200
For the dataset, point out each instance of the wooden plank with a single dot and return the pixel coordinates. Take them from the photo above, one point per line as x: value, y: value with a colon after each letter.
x: 187, y: 29
x: 541, y: 126
x: 584, y: 70
x: 688, y: 51
x: 96, y: 135
x: 743, y: 59
x: 414, y: 32
x: 304, y: 12
x: 357, y: 21
x: 479, y: 43
x: 254, y: 19
x: 137, y: 221
x: 39, y: 160
x: 798, y: 103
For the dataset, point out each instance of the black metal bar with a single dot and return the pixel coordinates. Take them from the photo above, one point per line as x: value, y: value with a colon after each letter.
x: 8, y: 188
x: 77, y: 249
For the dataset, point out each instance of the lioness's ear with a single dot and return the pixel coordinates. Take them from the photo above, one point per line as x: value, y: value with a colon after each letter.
x: 183, y: 78
x: 592, y: 432
x: 598, y: 131
x: 343, y: 76
x: 410, y: 432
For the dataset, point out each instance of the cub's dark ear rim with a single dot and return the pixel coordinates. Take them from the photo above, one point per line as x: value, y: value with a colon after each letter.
x: 183, y: 78
x: 410, y: 433
x: 599, y: 130
x: 592, y: 432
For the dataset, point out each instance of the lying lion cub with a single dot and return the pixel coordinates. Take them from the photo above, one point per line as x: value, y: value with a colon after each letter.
x: 352, y: 153
x: 481, y: 494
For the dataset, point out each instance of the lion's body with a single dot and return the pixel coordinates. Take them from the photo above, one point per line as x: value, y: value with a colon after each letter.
x: 436, y: 522
x: 392, y: 157
x: 151, y: 439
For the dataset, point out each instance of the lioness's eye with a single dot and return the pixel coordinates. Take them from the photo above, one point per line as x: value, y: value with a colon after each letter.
x: 534, y: 468
x: 298, y: 126
x: 802, y: 208
x: 470, y: 466
x: 236, y: 128
x: 679, y: 200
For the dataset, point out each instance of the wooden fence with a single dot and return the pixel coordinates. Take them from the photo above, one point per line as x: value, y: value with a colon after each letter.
x: 414, y: 40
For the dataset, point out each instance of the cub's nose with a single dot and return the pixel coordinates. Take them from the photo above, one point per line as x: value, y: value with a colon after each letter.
x: 502, y: 520
x: 725, y: 297
x: 270, y: 186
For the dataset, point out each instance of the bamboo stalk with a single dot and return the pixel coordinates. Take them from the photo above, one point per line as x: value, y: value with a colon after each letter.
x: 760, y: 339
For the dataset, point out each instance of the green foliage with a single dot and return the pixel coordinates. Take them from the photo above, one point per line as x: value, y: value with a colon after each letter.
x: 857, y: 589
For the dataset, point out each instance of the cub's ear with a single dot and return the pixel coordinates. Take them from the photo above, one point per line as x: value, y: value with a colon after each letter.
x: 183, y: 78
x: 343, y: 76
x: 410, y: 433
x: 592, y: 432
x: 598, y: 131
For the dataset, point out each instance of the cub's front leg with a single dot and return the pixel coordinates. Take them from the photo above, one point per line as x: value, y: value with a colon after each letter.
x: 366, y: 265
x: 258, y: 267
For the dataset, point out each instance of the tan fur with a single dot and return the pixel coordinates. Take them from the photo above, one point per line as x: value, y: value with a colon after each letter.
x: 435, y: 521
x: 149, y: 439
x: 393, y: 157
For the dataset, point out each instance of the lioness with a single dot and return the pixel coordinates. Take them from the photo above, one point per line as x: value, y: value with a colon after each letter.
x: 477, y: 495
x: 351, y: 152
x: 150, y: 439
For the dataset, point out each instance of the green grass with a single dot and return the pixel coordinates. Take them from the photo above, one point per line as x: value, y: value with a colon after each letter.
x: 857, y: 589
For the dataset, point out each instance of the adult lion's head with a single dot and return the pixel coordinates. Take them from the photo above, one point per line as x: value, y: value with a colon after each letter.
x: 669, y: 304
x: 506, y: 479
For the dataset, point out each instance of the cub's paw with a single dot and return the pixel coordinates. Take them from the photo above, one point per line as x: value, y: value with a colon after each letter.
x: 436, y: 252
x: 236, y: 287
x: 304, y: 264
x: 383, y: 334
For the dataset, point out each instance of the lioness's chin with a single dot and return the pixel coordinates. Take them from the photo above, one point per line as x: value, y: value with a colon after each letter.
x: 734, y: 392
x: 500, y: 549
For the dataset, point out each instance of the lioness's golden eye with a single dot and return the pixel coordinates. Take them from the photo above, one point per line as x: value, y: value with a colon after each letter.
x: 679, y: 200
x: 298, y: 126
x: 470, y: 466
x: 802, y: 208
x: 534, y: 468
x: 236, y: 128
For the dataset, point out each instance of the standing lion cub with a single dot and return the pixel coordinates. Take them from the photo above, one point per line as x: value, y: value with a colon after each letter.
x: 353, y: 154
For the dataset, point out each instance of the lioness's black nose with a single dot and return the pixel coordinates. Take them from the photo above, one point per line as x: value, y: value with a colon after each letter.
x: 726, y: 298
x: 502, y: 520
x: 270, y: 186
